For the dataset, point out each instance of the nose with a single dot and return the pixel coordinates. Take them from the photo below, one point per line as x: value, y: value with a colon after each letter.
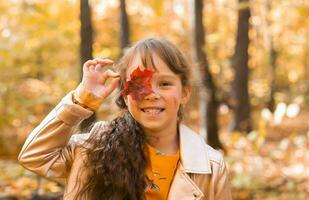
x: 152, y: 96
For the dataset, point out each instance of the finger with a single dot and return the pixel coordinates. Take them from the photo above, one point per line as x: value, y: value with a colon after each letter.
x: 87, y: 64
x: 90, y: 62
x: 104, y: 62
x: 98, y: 68
x: 111, y: 87
x: 107, y: 74
x: 91, y: 68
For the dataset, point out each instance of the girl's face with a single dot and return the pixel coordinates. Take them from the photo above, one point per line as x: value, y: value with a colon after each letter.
x: 158, y: 110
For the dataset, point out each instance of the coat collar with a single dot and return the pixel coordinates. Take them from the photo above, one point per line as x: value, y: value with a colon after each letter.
x: 193, y: 152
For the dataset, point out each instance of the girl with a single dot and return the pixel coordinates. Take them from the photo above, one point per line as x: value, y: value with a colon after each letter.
x: 145, y: 153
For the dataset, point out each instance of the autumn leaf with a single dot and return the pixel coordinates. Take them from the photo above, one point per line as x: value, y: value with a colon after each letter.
x: 139, y: 84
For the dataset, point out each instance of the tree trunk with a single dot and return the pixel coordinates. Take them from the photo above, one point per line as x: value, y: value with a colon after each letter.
x: 208, y: 100
x: 240, y: 94
x: 124, y: 27
x: 272, y: 58
x: 86, y: 34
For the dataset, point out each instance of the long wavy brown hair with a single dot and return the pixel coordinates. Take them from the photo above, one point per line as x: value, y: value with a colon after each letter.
x: 116, y: 153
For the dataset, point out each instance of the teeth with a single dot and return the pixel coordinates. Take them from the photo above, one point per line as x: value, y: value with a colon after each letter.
x: 152, y: 110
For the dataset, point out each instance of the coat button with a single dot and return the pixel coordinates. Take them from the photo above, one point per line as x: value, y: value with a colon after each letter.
x: 195, y: 195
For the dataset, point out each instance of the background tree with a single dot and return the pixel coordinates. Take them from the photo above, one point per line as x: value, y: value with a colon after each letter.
x: 208, y: 101
x: 240, y: 93
x: 86, y: 35
x: 272, y: 52
x: 124, y: 27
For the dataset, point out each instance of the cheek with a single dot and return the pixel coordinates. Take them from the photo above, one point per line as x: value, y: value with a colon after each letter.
x: 177, y: 101
x: 132, y: 103
x: 174, y: 99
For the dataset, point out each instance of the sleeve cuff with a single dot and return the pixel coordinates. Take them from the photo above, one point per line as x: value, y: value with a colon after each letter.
x: 70, y: 113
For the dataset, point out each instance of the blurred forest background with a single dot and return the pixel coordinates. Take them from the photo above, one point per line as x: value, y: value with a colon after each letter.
x: 250, y: 63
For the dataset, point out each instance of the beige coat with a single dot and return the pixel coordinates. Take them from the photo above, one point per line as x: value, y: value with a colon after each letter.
x: 52, y: 151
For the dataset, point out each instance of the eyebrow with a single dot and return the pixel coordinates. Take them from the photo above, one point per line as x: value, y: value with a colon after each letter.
x: 156, y: 75
x: 164, y: 75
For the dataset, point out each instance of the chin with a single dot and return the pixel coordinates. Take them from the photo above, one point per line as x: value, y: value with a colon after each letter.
x: 153, y: 127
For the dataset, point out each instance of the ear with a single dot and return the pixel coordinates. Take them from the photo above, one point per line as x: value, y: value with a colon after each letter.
x: 186, y: 94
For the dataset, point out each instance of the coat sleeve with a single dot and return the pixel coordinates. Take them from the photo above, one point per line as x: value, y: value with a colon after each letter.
x: 47, y: 150
x: 222, y: 189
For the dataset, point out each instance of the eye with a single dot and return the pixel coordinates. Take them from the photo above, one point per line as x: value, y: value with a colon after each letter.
x: 165, y: 83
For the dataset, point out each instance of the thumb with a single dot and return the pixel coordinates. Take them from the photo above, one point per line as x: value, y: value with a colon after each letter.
x: 111, y: 87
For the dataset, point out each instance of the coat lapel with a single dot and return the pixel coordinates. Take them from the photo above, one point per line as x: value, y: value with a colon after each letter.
x: 194, y: 156
x: 194, y: 160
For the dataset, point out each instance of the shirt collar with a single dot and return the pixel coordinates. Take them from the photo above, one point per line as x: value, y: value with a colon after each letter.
x: 193, y: 152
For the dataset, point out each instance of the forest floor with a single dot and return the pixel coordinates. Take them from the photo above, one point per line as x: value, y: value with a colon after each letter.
x: 269, y: 163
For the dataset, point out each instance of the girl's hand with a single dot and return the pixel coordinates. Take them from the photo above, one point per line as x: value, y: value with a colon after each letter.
x: 93, y: 79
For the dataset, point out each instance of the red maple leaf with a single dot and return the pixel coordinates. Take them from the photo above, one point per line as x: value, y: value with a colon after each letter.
x: 139, y: 84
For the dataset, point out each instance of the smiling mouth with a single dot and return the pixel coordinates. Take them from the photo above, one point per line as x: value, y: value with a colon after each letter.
x: 152, y: 111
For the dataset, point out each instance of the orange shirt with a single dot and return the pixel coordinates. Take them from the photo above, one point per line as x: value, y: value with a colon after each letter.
x: 160, y: 172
